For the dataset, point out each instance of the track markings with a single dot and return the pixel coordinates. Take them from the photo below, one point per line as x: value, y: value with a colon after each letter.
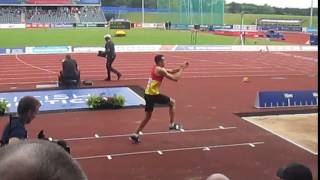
x: 150, y: 133
x: 161, y: 152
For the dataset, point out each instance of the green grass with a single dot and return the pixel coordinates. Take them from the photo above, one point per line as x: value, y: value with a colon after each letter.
x: 228, y: 18
x: 94, y: 37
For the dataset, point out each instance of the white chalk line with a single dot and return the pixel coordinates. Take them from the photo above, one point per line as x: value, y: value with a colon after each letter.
x: 150, y: 133
x: 144, y: 78
x: 109, y: 156
x: 35, y: 67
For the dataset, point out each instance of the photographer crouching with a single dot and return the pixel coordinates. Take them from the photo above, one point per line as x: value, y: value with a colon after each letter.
x: 15, y: 131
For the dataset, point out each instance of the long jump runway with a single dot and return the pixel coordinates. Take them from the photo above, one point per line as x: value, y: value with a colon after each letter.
x: 208, y: 96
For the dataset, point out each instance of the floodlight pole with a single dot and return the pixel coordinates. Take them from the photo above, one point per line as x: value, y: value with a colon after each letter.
x: 311, y: 11
x: 142, y: 8
x: 241, y: 29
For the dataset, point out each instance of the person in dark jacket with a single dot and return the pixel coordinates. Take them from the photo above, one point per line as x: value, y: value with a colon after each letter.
x: 15, y: 130
x: 70, y: 74
x: 111, y: 56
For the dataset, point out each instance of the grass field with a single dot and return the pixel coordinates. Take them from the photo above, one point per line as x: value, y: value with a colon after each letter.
x: 94, y: 37
x: 228, y: 18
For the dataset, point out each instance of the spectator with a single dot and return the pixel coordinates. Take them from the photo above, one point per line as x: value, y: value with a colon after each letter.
x: 218, y: 176
x: 295, y: 171
x: 38, y: 159
x: 15, y: 130
x: 70, y: 74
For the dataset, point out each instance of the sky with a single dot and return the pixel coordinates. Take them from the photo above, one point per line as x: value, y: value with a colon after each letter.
x: 280, y: 3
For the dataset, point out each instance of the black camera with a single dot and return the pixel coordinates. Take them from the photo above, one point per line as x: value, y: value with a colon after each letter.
x: 61, y: 143
x: 102, y: 54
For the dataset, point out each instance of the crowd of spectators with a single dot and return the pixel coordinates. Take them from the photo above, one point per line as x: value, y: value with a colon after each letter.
x: 51, y: 14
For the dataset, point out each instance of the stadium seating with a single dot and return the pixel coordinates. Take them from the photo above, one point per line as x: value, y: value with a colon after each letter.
x: 91, y: 14
x: 10, y: 15
x: 52, y: 14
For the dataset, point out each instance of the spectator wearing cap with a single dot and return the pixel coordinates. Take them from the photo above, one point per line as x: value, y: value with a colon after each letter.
x: 294, y: 171
x: 111, y: 56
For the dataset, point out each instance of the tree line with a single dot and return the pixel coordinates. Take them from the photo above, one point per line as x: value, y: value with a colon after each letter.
x: 229, y: 7
x: 267, y: 9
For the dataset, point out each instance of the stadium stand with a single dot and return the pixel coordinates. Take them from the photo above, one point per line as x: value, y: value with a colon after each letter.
x: 51, y: 12
x: 10, y: 15
x: 50, y: 15
x: 91, y: 14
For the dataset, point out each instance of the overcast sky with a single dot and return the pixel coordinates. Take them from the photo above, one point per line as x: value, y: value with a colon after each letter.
x: 280, y: 3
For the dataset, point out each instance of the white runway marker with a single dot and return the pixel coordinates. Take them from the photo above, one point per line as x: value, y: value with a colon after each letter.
x: 252, y: 145
x: 206, y: 149
x: 109, y: 157
x: 96, y: 135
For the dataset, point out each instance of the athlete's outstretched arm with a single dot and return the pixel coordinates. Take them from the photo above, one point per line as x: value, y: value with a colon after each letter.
x: 174, y: 77
x: 173, y: 71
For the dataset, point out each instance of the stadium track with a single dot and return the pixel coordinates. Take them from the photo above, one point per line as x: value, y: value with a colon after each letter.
x: 208, y: 96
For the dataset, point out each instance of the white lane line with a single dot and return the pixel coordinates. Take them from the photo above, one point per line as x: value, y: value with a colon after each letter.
x: 144, y: 78
x: 35, y: 67
x: 151, y: 133
x: 169, y: 150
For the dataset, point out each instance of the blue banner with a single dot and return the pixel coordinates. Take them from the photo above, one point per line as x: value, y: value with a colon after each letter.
x: 312, y: 30
x: 70, y: 98
x: 12, y: 50
x: 280, y: 28
x: 89, y: 2
x: 2, y: 50
x: 51, y: 49
x: 273, y: 99
x: 203, y: 48
x: 10, y: 1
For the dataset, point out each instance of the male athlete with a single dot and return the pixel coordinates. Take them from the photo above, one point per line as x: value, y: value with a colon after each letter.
x: 153, y: 96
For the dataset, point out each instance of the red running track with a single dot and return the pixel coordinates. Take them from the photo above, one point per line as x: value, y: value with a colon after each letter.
x: 208, y: 96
